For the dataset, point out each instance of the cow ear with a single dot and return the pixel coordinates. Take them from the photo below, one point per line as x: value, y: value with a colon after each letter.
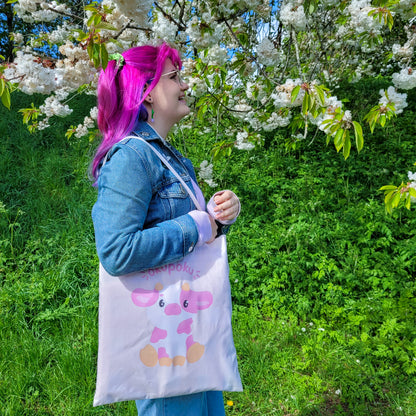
x: 186, y: 287
x: 144, y: 298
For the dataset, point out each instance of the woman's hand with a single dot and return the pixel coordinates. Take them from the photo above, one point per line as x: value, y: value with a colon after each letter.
x: 227, y: 206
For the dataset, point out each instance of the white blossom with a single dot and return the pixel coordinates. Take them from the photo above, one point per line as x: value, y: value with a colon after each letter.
x: 216, y: 55
x: 405, y: 79
x: 411, y: 176
x: 201, y: 37
x: 405, y: 8
x: 412, y: 183
x: 61, y: 33
x: 94, y: 113
x: 53, y: 107
x: 31, y: 75
x: 275, y: 120
x: 242, y: 142
x: 267, y: 53
x: 206, y: 173
x: 165, y: 29
x: 392, y: 96
x: 283, y: 95
x: 135, y: 10
x: 17, y: 38
x: 361, y: 21
x: 293, y: 14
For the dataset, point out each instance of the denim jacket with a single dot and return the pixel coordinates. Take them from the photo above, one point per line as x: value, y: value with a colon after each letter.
x: 141, y: 215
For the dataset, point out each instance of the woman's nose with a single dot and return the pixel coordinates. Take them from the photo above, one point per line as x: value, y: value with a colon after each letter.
x: 184, y: 86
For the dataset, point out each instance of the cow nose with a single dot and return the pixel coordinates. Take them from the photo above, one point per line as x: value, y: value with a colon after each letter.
x: 172, y: 309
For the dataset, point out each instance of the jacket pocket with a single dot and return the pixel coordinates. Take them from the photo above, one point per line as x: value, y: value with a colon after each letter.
x: 172, y: 190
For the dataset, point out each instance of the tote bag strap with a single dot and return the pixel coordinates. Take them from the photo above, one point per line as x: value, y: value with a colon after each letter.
x: 170, y: 167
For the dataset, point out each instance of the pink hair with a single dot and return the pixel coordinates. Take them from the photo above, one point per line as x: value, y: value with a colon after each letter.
x: 121, y: 93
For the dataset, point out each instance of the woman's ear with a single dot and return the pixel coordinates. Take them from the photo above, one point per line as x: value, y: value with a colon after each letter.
x: 148, y: 98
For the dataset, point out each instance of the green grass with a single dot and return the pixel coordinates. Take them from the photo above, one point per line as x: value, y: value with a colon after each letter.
x: 322, y: 279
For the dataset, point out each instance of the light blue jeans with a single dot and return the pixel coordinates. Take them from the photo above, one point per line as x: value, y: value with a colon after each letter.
x: 209, y: 403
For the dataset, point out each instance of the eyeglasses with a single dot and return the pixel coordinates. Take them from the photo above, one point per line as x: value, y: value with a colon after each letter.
x: 176, y: 76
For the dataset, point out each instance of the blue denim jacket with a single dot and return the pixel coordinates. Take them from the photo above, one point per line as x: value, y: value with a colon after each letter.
x: 141, y: 216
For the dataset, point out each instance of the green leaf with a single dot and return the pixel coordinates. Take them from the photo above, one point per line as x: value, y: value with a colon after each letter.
x: 96, y: 54
x: 334, y: 128
x: 217, y: 81
x: 347, y: 145
x: 2, y: 85
x: 305, y: 104
x: 90, y: 49
x: 106, y: 26
x: 388, y: 188
x: 321, y: 95
x: 407, y: 203
x: 358, y: 131
x: 311, y: 103
x: 90, y: 20
x: 395, y: 200
x: 97, y: 19
x: 390, y: 20
x: 5, y: 98
x: 372, y: 124
x: 338, y: 140
x: 295, y: 93
x: 388, y: 197
x: 329, y: 120
x: 104, y: 56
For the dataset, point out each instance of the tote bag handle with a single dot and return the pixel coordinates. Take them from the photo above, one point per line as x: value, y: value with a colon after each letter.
x: 170, y: 167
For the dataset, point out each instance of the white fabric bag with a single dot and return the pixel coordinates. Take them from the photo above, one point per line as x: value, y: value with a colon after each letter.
x: 167, y: 331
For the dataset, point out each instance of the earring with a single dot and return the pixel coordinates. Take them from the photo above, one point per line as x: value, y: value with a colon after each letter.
x: 150, y: 101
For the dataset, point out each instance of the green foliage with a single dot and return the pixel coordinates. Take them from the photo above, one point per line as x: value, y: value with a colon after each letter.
x: 395, y: 195
x: 314, y: 242
x: 322, y: 278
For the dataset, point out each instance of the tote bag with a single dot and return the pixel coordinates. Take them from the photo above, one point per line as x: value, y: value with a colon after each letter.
x: 167, y: 331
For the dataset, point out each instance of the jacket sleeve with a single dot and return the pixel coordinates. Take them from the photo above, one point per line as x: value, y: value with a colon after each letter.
x: 123, y: 244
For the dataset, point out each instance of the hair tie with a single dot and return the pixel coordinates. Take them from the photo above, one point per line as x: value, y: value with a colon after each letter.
x: 119, y: 58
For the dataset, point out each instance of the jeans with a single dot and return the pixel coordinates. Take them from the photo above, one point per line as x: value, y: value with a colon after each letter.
x: 209, y: 403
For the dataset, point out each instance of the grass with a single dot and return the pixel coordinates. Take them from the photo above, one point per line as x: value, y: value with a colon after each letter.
x: 322, y: 279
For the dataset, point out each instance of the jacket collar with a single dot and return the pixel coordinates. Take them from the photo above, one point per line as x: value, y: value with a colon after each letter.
x: 147, y: 132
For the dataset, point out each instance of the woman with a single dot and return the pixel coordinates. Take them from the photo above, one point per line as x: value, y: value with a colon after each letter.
x: 143, y: 218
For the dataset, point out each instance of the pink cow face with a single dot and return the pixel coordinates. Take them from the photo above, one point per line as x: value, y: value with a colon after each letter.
x: 189, y: 301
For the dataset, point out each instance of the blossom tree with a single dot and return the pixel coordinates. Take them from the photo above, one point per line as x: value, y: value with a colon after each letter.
x: 267, y: 64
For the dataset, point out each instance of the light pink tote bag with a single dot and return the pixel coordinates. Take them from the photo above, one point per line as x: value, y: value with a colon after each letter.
x: 167, y: 331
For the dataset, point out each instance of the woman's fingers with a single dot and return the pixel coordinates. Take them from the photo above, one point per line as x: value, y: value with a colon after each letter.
x: 228, y: 206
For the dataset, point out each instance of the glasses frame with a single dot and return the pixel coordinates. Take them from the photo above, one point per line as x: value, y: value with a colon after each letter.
x: 178, y: 73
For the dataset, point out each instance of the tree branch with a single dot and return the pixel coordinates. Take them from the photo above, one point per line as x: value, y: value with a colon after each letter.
x: 253, y: 58
x: 170, y: 18
x: 67, y: 14
x: 293, y: 33
x: 129, y: 25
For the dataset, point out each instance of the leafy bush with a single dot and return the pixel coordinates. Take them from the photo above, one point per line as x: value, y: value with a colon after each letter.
x: 322, y: 278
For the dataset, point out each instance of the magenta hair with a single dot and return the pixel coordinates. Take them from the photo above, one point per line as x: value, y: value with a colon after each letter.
x: 121, y: 92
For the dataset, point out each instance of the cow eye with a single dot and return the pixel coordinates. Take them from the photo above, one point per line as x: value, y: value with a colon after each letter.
x: 161, y: 303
